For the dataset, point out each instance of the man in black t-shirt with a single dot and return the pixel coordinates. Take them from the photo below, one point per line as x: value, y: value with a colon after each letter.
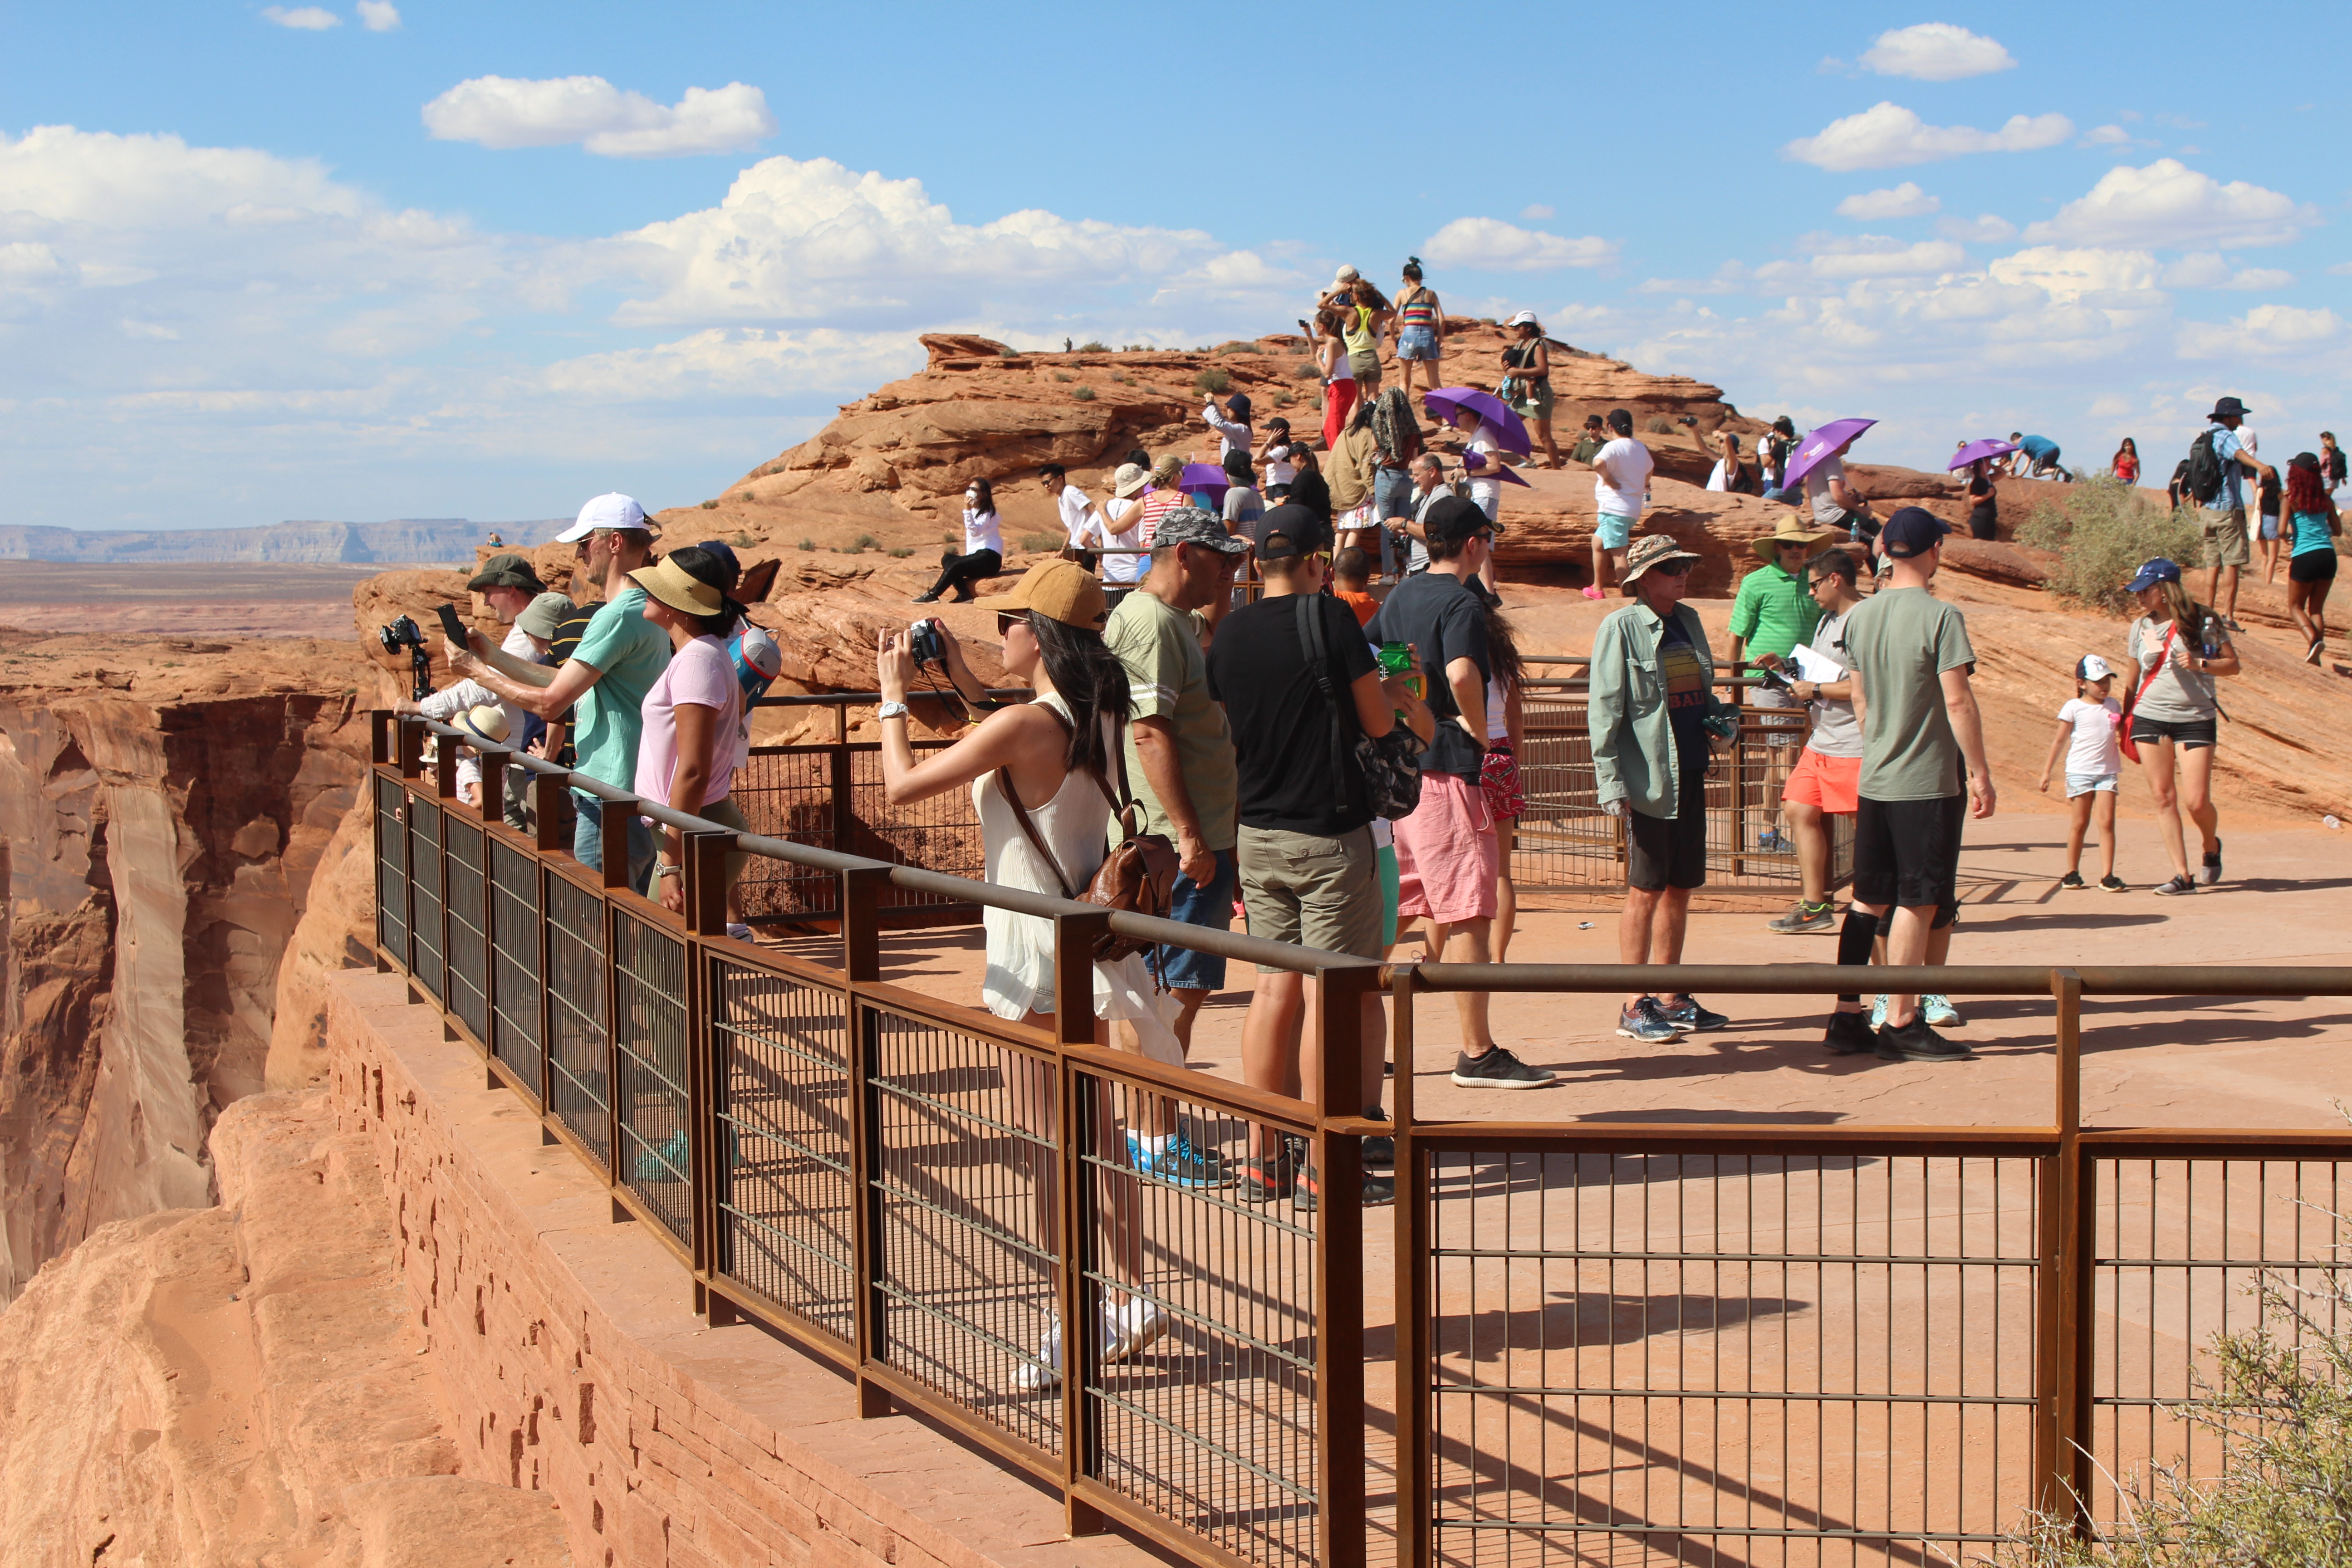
x: 1308, y: 874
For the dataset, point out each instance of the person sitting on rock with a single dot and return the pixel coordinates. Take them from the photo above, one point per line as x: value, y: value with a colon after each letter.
x: 984, y: 548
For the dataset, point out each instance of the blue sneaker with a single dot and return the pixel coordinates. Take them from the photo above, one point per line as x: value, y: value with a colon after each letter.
x: 1878, y: 1012
x: 1647, y: 1022
x: 1179, y: 1164
x: 1939, y: 1012
x: 1691, y: 1018
x: 1772, y: 841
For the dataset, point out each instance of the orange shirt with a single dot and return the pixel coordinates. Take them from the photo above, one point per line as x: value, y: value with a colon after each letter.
x: 1364, y: 605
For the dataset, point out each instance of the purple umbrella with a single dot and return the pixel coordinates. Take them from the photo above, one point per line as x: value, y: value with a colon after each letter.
x: 1816, y: 448
x: 1476, y: 463
x: 1975, y: 450
x: 1208, y: 477
x: 1445, y: 400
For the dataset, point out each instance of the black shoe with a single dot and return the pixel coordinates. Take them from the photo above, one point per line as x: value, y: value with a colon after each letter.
x: 1691, y: 1018
x: 2112, y: 883
x: 2210, y: 872
x: 1849, y: 1035
x: 1379, y: 1191
x: 925, y: 598
x: 1915, y: 1042
x: 1379, y: 1150
x: 2072, y: 882
x: 1498, y: 1069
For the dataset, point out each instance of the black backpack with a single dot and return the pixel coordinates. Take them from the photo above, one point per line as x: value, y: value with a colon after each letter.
x: 2204, y: 473
x: 1391, y: 764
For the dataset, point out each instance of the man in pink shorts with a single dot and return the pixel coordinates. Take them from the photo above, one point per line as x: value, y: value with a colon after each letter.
x: 1447, y: 854
x: 1827, y: 776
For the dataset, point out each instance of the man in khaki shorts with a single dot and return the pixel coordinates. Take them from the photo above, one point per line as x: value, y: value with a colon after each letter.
x: 2223, y: 512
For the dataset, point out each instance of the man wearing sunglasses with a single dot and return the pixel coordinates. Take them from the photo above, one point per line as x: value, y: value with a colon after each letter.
x: 1652, y: 698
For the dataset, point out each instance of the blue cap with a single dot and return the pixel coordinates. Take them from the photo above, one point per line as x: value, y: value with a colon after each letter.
x: 1914, y: 530
x: 733, y: 568
x: 2152, y: 573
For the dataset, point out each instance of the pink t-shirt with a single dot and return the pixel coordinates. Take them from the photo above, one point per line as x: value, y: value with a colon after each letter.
x: 703, y: 674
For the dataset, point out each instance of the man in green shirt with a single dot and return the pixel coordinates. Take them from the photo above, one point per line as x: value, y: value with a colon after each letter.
x: 616, y: 663
x: 1773, y: 613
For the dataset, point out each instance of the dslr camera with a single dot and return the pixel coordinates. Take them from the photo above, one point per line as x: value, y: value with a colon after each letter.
x: 923, y: 642
x: 402, y: 633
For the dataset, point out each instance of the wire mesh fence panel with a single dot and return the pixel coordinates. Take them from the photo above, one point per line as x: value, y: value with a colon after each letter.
x: 649, y: 1105
x: 1563, y: 838
x: 1653, y: 1358
x: 965, y: 1171
x: 516, y: 986
x: 470, y: 944
x: 831, y: 797
x: 2181, y: 1248
x: 425, y: 957
x: 942, y: 834
x: 1200, y: 1368
x: 576, y: 1045
x: 391, y: 867
x: 787, y: 792
x: 785, y: 1219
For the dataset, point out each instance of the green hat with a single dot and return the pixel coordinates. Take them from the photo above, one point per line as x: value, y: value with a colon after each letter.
x: 507, y: 572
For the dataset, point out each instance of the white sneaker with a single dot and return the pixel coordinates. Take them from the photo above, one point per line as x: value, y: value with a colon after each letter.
x: 1131, y: 1329
x: 1046, y: 1371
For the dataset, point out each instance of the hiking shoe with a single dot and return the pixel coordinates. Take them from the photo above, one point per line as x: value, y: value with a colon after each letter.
x: 2074, y: 881
x: 1939, y: 1012
x: 1036, y: 1376
x: 2111, y: 883
x: 1772, y: 841
x: 2174, y: 885
x: 924, y: 599
x: 1878, y: 1011
x: 1916, y: 1042
x: 1647, y: 1022
x: 1179, y: 1164
x: 2318, y: 647
x: 2210, y: 872
x: 1498, y: 1069
x: 1265, y: 1177
x: 1806, y: 920
x: 1379, y: 1191
x: 1691, y: 1018
x: 1848, y: 1036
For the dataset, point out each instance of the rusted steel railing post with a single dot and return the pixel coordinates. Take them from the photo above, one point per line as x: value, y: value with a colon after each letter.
x: 858, y: 897
x: 1075, y: 1119
x: 1340, y: 995
x: 2062, y: 1389
x: 1415, y: 1506
x: 708, y: 1156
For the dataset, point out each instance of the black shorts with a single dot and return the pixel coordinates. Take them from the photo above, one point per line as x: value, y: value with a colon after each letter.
x: 2311, y: 566
x: 2188, y: 734
x: 1662, y: 853
x: 1907, y: 853
x: 1984, y: 523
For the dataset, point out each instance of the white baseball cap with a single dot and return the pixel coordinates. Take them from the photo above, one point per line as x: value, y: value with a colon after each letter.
x: 611, y: 510
x: 1346, y: 275
x: 2091, y: 666
x: 1523, y: 318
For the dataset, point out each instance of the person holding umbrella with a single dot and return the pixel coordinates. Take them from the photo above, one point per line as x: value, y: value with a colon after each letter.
x: 1527, y: 368
x: 1984, y: 505
x: 1819, y: 463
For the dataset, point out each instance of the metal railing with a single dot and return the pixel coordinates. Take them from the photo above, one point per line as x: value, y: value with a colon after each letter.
x: 1652, y: 1343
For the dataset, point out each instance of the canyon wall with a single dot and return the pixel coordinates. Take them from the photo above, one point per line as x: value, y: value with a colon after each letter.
x: 403, y: 540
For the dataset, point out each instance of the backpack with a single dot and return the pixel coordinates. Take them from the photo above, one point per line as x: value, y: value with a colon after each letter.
x: 1394, y: 428
x: 1391, y: 764
x: 2204, y: 470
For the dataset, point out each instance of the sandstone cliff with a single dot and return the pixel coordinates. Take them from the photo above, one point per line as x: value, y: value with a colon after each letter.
x: 408, y: 538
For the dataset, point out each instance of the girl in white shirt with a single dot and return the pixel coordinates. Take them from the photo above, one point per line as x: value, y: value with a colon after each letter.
x: 2088, y: 738
x: 983, y: 547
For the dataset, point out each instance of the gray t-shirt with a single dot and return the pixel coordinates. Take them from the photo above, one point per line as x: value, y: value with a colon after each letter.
x: 1901, y: 641
x: 1836, y: 731
x: 1827, y: 513
x: 2177, y: 695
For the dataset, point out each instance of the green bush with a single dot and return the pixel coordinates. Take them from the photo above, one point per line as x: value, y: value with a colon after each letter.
x: 1041, y: 543
x: 1283, y: 397
x: 864, y: 542
x: 808, y: 544
x: 1082, y: 394
x: 1213, y: 382
x: 1308, y: 370
x: 744, y: 540
x: 1094, y: 346
x: 2102, y: 530
x: 1237, y: 346
x: 1121, y: 377
x: 711, y: 506
x: 900, y: 553
x: 1658, y: 424
x: 1063, y: 375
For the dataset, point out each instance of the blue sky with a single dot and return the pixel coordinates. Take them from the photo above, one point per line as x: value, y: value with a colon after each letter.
x: 414, y: 259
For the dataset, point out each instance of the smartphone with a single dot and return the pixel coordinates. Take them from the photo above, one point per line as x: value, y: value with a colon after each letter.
x: 455, y: 627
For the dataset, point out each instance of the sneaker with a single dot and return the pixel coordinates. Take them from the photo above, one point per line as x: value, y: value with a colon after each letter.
x: 1179, y: 1164
x: 1498, y: 1069
x: 1647, y: 1022
x: 1131, y: 1329
x: 1592, y: 593
x: 1878, y: 1012
x: 2319, y: 647
x: 738, y: 931
x: 1772, y: 841
x: 1939, y: 1012
x: 924, y: 599
x: 1691, y: 1018
x: 1806, y: 920
x: 1916, y: 1042
x: 1046, y: 1371
x: 2074, y: 881
x: 2111, y: 883
x: 1379, y: 1150
x: 2232, y: 622
x: 2210, y: 872
x: 1265, y: 1177
x: 1848, y: 1036
x: 2175, y: 885
x: 1379, y: 1191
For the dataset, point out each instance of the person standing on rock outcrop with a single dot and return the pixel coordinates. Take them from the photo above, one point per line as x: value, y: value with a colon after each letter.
x: 1232, y: 426
x: 1080, y: 517
x: 1621, y: 486
x: 607, y: 675
x: 1527, y: 367
x: 2217, y: 487
x: 1420, y: 329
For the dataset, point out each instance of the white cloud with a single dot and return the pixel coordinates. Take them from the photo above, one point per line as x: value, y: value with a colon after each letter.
x: 2206, y: 270
x: 1936, y: 52
x: 379, y: 15
x: 2069, y: 276
x: 64, y: 175
x: 2169, y: 205
x: 1985, y: 228
x: 507, y: 111
x: 732, y: 363
x: 2269, y: 331
x: 1905, y: 200
x: 2107, y: 136
x: 1490, y: 245
x: 1876, y: 256
x: 305, y: 18
x: 1536, y: 212
x: 1887, y: 135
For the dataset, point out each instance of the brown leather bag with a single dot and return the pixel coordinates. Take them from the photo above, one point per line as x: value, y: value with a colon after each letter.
x: 1138, y: 877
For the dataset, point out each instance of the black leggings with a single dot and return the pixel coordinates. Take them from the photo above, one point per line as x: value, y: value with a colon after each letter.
x: 960, y: 572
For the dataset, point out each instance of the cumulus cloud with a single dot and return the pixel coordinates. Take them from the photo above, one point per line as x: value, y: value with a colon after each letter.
x: 1490, y: 245
x: 2070, y: 276
x: 732, y: 362
x: 379, y: 15
x: 96, y: 177
x: 1986, y: 227
x: 1886, y: 135
x: 1936, y: 52
x: 1876, y: 256
x: 304, y: 18
x: 2269, y: 331
x: 2206, y: 270
x: 507, y: 111
x: 1536, y: 212
x: 2107, y: 136
x: 2171, y: 206
x: 1905, y: 200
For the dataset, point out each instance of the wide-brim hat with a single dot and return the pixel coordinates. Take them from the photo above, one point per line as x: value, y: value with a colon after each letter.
x: 2229, y: 409
x: 506, y: 572
x: 1654, y: 550
x: 486, y: 722
x: 1131, y: 477
x: 1792, y: 530
x: 682, y: 591
x: 1060, y: 590
x: 544, y: 616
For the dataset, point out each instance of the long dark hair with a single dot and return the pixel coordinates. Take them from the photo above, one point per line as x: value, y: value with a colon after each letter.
x: 1503, y: 651
x: 1092, y: 682
x: 987, y: 503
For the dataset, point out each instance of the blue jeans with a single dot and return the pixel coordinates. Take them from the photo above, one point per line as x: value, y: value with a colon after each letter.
x: 1181, y: 968
x: 588, y: 840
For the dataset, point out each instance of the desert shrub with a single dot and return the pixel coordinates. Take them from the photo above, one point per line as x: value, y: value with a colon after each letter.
x: 1082, y: 394
x: 1041, y: 543
x: 744, y: 540
x: 1658, y: 424
x: 1121, y: 377
x: 711, y: 506
x: 1283, y: 397
x: 1213, y: 380
x: 1237, y: 346
x: 1094, y: 346
x: 864, y: 541
x: 808, y: 544
x: 1132, y: 348
x: 950, y: 538
x: 1308, y: 370
x: 900, y: 553
x: 1063, y: 375
x: 2102, y: 530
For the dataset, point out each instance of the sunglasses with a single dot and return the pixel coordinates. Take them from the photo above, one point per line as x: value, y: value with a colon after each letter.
x: 1005, y: 622
x: 1674, y: 568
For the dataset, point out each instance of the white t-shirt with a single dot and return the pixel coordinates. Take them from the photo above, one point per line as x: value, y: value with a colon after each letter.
x: 2095, y: 750
x: 1123, y: 570
x: 1714, y: 475
x: 1826, y: 512
x: 1077, y: 513
x: 1621, y: 477
x: 1488, y: 443
x: 1280, y: 468
x: 981, y: 530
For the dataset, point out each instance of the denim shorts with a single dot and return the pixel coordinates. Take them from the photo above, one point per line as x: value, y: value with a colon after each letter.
x: 1612, y: 530
x: 1417, y: 342
x: 1211, y: 907
x: 1391, y: 494
x: 2269, y: 526
x: 2085, y: 783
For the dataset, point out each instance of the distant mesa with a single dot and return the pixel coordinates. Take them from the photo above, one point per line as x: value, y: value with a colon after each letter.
x: 402, y: 542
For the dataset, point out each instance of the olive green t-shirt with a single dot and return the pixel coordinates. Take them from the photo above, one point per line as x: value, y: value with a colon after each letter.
x: 1168, y: 678
x: 1901, y: 641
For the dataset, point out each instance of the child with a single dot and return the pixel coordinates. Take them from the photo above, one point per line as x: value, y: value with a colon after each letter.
x: 1351, y: 575
x: 2088, y: 727
x: 1280, y: 470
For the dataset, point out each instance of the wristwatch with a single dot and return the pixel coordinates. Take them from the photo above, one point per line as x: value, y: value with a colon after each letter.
x: 662, y: 870
x: 892, y: 710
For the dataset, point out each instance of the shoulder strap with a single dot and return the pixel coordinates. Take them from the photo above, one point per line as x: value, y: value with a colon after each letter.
x: 2153, y: 670
x: 1020, y: 812
x: 1310, y: 638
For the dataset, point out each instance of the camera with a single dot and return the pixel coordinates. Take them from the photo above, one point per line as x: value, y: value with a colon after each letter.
x: 402, y: 633
x: 924, y: 644
x: 1774, y: 679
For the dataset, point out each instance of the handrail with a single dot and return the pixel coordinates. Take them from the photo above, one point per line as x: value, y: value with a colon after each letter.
x: 1948, y: 980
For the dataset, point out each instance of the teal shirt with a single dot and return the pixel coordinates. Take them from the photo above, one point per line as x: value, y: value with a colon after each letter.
x: 1774, y: 612
x: 629, y: 653
x: 1634, y: 754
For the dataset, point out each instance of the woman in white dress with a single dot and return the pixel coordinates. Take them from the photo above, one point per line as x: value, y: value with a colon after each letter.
x: 1057, y: 753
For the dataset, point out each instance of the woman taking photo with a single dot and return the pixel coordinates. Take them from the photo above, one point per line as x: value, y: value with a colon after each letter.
x: 692, y: 716
x: 983, y: 547
x: 1421, y: 329
x: 1338, y: 370
x: 2312, y: 568
x: 1058, y: 755
x: 1528, y: 364
x: 2179, y: 647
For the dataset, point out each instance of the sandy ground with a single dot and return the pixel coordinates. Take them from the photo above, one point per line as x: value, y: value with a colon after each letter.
x: 234, y: 599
